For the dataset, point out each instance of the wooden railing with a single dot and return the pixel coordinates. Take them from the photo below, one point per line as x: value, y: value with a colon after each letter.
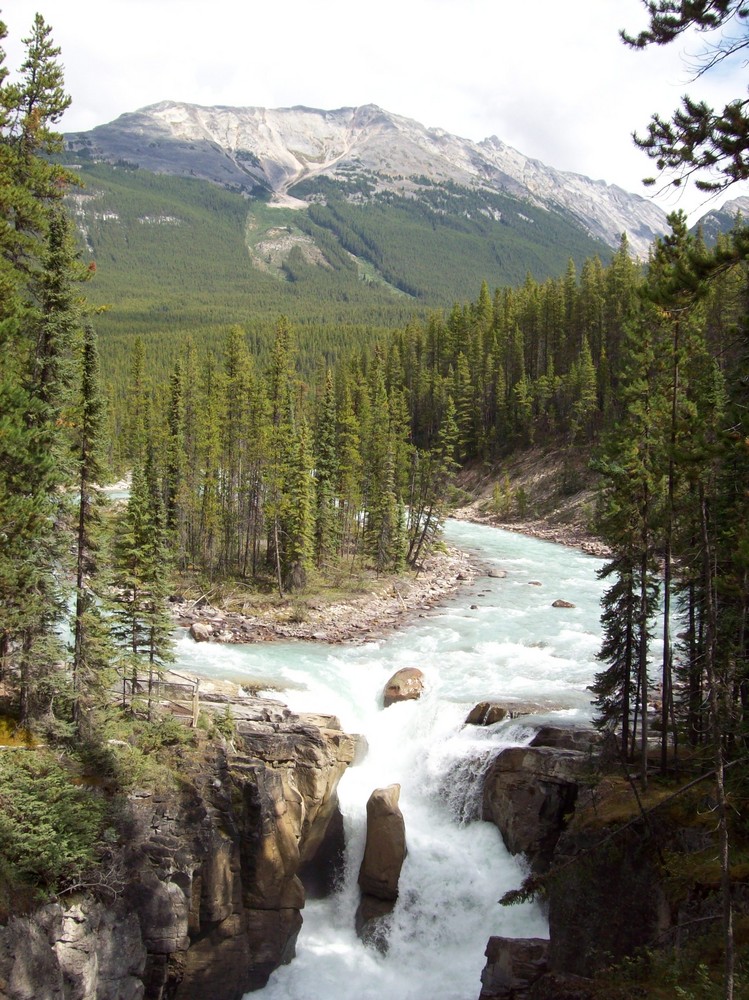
x: 178, y: 693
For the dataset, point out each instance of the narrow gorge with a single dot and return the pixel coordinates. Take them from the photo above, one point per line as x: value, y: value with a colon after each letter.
x: 248, y: 878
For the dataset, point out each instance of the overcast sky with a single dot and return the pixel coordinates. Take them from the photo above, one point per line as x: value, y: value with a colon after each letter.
x: 551, y: 77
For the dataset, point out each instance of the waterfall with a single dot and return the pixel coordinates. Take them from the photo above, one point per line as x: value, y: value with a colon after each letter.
x: 498, y: 639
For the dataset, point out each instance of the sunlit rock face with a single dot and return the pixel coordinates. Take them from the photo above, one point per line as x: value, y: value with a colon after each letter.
x: 210, y: 898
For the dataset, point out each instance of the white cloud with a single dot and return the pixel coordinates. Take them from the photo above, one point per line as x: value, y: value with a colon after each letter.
x: 553, y: 79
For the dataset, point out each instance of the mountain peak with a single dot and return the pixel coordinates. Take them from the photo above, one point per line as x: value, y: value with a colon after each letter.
x: 275, y: 149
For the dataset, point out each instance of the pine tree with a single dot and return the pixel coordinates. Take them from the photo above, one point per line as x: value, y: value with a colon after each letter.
x: 92, y: 648
x: 176, y: 458
x: 432, y: 476
x: 30, y: 181
x: 299, y: 513
x: 631, y: 466
x: 383, y: 521
x: 280, y: 449
x: 697, y: 141
x: 327, y: 474
x: 37, y: 317
x: 142, y: 624
x: 137, y: 405
x: 350, y: 471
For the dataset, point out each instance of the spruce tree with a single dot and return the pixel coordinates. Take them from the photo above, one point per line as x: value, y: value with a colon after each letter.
x: 327, y: 472
x: 142, y: 624
x: 350, y: 471
x: 92, y: 648
x: 299, y: 513
x: 37, y: 317
x: 280, y: 449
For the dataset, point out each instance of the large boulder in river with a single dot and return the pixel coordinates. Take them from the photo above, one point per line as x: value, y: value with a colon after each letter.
x: 201, y: 631
x: 384, y: 854
x: 406, y: 684
x: 528, y: 794
x: 385, y: 849
x: 486, y: 713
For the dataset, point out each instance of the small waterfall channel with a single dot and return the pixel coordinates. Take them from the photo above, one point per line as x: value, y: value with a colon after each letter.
x: 498, y: 638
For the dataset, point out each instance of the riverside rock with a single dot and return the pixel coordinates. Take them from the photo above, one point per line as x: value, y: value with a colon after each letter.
x: 201, y: 631
x: 528, y: 792
x: 87, y: 951
x: 486, y: 713
x: 625, y: 907
x: 513, y: 965
x: 210, y: 896
x: 566, y: 738
x: 406, y: 684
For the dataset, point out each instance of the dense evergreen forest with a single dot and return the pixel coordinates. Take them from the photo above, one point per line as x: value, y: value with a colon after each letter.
x: 181, y: 258
x: 263, y: 470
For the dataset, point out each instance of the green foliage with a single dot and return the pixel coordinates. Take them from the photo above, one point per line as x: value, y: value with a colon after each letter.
x: 154, y: 735
x: 502, y: 500
x: 39, y: 313
x: 49, y: 825
x: 432, y: 245
x: 225, y: 723
x: 178, y: 257
x: 697, y: 141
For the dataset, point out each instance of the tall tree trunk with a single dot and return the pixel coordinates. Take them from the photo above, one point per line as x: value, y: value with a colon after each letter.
x: 717, y: 740
x: 694, y: 717
x: 25, y: 687
x: 79, y: 598
x: 666, y: 678
x: 643, y: 662
x: 627, y: 681
x: 277, y: 555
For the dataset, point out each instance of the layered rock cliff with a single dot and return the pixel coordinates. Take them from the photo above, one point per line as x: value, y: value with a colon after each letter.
x: 626, y: 877
x: 211, y: 893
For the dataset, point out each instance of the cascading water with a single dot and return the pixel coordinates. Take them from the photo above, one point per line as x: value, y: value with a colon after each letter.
x: 512, y: 644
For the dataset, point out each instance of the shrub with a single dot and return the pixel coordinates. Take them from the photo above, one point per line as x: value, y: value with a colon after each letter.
x: 49, y: 826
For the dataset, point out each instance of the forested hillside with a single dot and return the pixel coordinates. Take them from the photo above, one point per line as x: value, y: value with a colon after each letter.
x: 180, y: 258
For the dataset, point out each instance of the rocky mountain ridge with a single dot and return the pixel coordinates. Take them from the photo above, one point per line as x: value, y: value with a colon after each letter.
x: 272, y: 151
x: 723, y: 218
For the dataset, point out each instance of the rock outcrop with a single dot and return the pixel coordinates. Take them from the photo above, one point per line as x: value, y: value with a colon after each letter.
x: 406, y: 684
x: 556, y: 986
x: 86, y: 951
x: 528, y: 792
x: 486, y: 713
x: 211, y: 895
x: 625, y: 907
x: 512, y: 966
x: 384, y: 854
x: 610, y: 896
x: 566, y: 738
